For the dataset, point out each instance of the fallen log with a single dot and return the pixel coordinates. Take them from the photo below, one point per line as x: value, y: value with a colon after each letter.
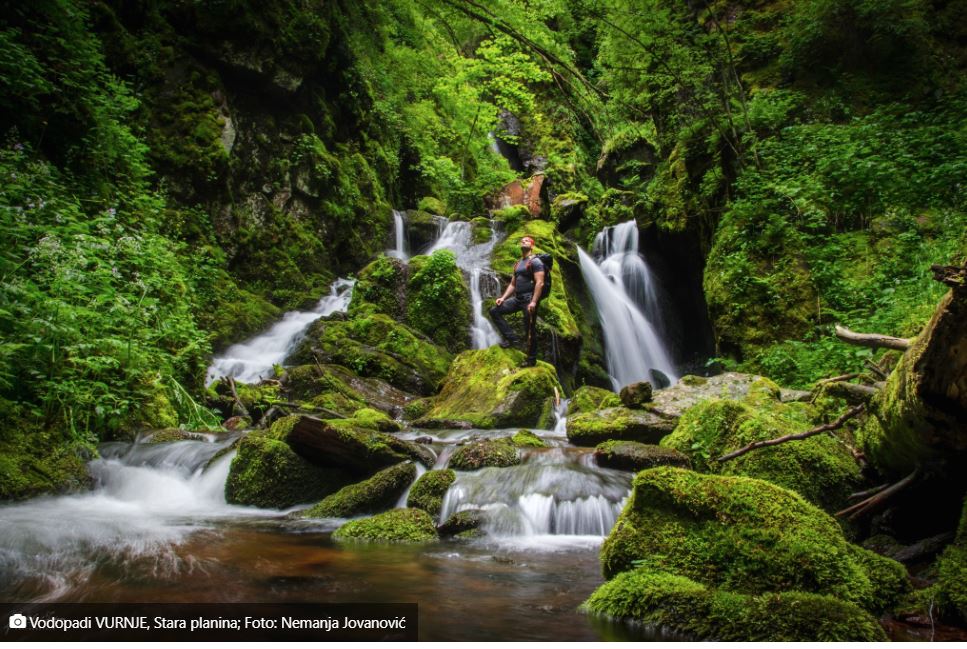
x: 876, y: 341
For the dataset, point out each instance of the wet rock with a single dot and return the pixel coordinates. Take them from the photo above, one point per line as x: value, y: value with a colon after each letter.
x: 372, y: 495
x: 463, y: 521
x: 636, y: 395
x: 527, y: 439
x: 395, y: 526
x: 690, y: 390
x: 634, y: 456
x: 589, y: 398
x: 567, y: 209
x: 424, y: 439
x: 172, y: 435
x: 423, y: 229
x: 485, y: 452
x: 591, y: 428
x: 341, y: 444
x: 427, y: 494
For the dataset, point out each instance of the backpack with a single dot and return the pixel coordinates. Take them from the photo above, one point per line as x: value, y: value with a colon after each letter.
x: 548, y: 262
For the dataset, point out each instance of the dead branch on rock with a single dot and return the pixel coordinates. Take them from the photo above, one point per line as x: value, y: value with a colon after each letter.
x: 837, y: 379
x: 833, y: 425
x: 875, y: 341
x: 238, y: 402
x: 878, y: 499
x: 854, y: 393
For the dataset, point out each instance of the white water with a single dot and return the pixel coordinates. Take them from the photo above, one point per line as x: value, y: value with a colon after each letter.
x: 633, y: 347
x: 457, y: 236
x: 253, y: 360
x: 401, y: 251
x: 148, y: 498
x: 551, y: 493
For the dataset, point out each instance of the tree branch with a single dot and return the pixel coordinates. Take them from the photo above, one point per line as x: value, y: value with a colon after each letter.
x: 833, y: 425
x: 878, y: 498
x: 872, y: 340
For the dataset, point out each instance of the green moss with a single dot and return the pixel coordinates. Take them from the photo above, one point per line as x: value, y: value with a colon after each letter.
x: 820, y: 468
x: 171, y: 435
x: 489, y: 389
x: 485, y: 452
x: 743, y: 535
x: 684, y: 606
x: 427, y: 494
x: 527, y: 439
x: 438, y: 302
x: 267, y: 473
x: 34, y: 462
x: 257, y: 399
x: 372, y: 495
x: 482, y: 230
x: 157, y: 410
x: 432, y: 205
x: 588, y: 398
x: 951, y: 584
x: 396, y: 526
x: 382, y: 286
x: 417, y: 408
x: 590, y: 428
x: 511, y: 217
x: 375, y: 419
x: 634, y: 456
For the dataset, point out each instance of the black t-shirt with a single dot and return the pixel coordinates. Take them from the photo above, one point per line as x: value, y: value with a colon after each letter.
x: 524, y: 272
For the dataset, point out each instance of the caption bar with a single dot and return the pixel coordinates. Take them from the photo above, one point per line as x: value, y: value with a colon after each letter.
x: 210, y: 622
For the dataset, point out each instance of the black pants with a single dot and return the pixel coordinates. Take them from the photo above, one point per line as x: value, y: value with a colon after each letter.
x: 512, y: 305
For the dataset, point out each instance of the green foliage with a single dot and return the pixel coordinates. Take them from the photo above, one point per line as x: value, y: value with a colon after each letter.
x: 438, y: 302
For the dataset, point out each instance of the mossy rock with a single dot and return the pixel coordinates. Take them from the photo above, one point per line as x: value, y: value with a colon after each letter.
x: 372, y: 495
x: 340, y: 390
x: 462, y: 522
x: 482, y: 230
x: 692, y: 390
x: 951, y: 586
x: 417, y: 408
x: 171, y: 435
x: 527, y: 439
x: 744, y: 535
x: 634, y: 456
x: 480, y: 453
x: 678, y: 604
x: 376, y: 346
x: 636, y: 395
x: 422, y: 228
x: 428, y: 492
x: 488, y: 388
x: 35, y: 462
x: 266, y: 472
x: 395, y: 526
x: 375, y: 419
x: 588, y: 398
x: 339, y: 443
x: 820, y: 468
x: 432, y: 205
x: 257, y: 398
x: 591, y: 428
x: 381, y: 285
x: 438, y: 301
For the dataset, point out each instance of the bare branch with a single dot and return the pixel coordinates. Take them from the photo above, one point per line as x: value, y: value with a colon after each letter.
x: 872, y: 340
x: 877, y: 499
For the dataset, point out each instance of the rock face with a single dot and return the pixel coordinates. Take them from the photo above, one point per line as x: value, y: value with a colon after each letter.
x: 633, y: 456
x: 341, y: 444
x: 488, y: 388
x: 744, y: 535
x: 427, y: 494
x: 527, y: 193
x: 372, y: 495
x: 820, y: 468
x: 636, y: 395
x: 485, y: 452
x: 395, y: 526
x: 591, y: 428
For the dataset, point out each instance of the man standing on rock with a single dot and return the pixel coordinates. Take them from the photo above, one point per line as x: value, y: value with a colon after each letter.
x: 526, y: 285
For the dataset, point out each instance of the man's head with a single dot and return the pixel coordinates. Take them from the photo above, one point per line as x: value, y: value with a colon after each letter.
x: 526, y: 244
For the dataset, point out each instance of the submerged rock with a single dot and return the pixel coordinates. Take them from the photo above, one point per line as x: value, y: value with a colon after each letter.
x: 485, y: 452
x: 679, y: 604
x: 488, y: 388
x: 428, y: 492
x: 744, y: 535
x: 461, y: 522
x: 634, y: 456
x: 590, y: 428
x: 372, y: 495
x: 395, y: 526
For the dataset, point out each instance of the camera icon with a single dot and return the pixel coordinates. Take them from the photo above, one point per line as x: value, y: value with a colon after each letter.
x: 18, y: 621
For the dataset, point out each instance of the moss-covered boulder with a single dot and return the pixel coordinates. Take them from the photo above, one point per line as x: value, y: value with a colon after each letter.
x: 428, y: 492
x: 588, y: 398
x: 381, y: 286
x: 432, y: 205
x: 266, y: 472
x: 951, y: 583
x: 372, y: 495
x: 165, y: 435
x: 339, y: 443
x: 438, y: 301
x: 590, y: 428
x: 423, y: 228
x: 820, y: 468
x: 744, y: 535
x: 376, y: 346
x: 375, y: 419
x: 488, y: 388
x: 636, y: 395
x: 256, y: 398
x: 485, y: 452
x: 340, y: 390
x: 634, y: 456
x: 395, y: 526
x: 527, y: 439
x: 462, y: 522
x: 679, y: 604
x: 34, y: 462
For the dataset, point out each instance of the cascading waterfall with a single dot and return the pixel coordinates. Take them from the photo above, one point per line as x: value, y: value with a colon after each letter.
x: 633, y: 347
x: 457, y: 236
x: 551, y: 493
x: 253, y: 360
x: 401, y: 251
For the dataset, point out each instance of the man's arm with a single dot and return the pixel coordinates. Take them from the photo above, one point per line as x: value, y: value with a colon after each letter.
x: 538, y: 287
x: 510, y: 289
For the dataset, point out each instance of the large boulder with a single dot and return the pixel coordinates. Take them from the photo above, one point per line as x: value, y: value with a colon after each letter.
x: 437, y: 300
x: 744, y: 535
x: 485, y: 452
x: 462, y: 522
x: 381, y: 286
x: 691, y: 390
x: 820, y: 468
x: 634, y: 456
x: 375, y: 345
x: 590, y: 428
x: 428, y: 492
x: 394, y: 526
x: 340, y: 390
x: 372, y: 495
x: 488, y: 388
x: 589, y: 398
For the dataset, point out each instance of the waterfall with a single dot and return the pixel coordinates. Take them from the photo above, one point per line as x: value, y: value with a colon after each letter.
x: 457, y: 236
x: 619, y: 281
x: 401, y: 249
x: 253, y: 360
x: 551, y: 493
